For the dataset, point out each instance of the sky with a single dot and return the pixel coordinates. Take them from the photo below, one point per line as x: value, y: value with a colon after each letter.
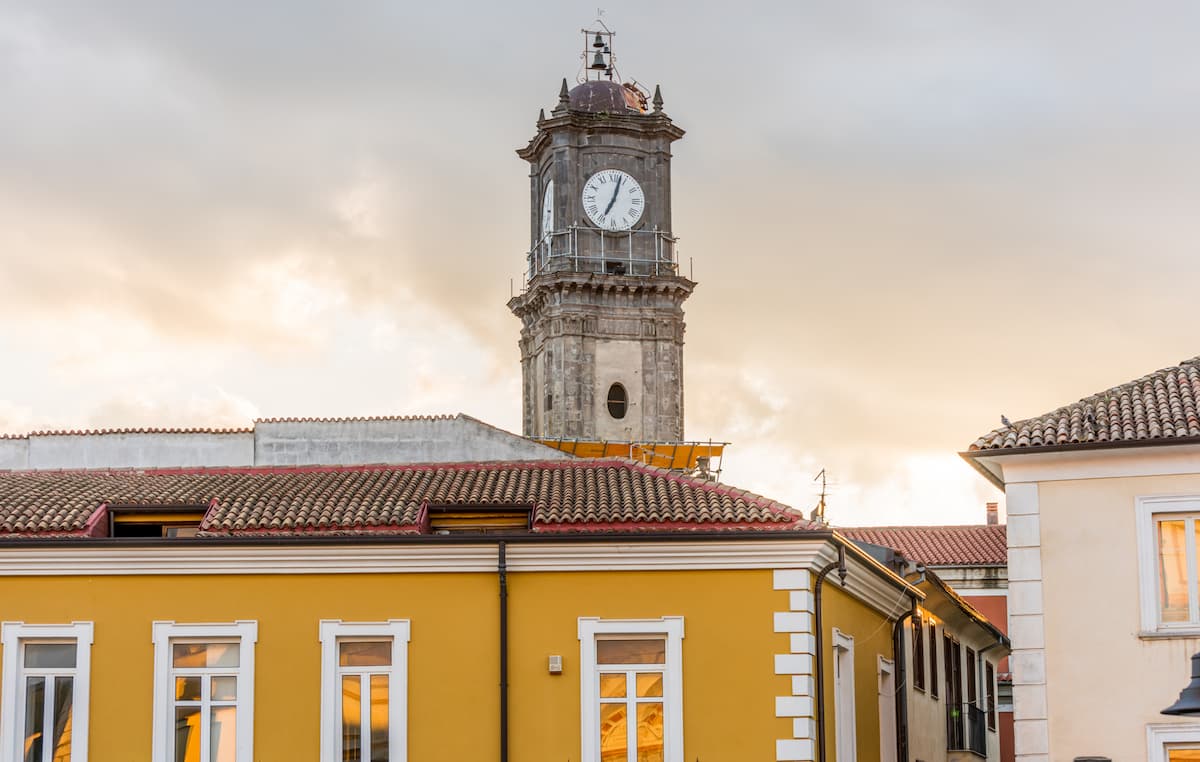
x: 905, y: 218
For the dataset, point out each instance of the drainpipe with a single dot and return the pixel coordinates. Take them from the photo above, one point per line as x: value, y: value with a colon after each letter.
x: 819, y: 659
x: 899, y: 651
x: 502, y: 570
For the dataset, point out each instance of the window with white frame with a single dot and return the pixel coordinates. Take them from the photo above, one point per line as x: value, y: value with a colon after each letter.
x: 204, y: 692
x: 1168, y: 533
x: 845, y: 714
x: 1170, y: 742
x: 364, y: 687
x: 631, y: 680
x: 45, y: 691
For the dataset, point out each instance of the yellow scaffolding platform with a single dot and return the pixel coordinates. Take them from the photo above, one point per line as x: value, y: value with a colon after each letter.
x: 677, y: 456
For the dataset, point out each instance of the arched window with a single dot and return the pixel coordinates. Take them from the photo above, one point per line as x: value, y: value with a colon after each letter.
x: 618, y: 401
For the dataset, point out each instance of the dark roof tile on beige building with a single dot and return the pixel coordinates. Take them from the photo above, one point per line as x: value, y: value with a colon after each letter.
x: 578, y: 496
x: 1164, y: 405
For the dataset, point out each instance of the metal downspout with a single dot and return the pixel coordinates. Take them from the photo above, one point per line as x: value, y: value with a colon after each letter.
x: 899, y: 652
x: 819, y: 659
x: 502, y: 571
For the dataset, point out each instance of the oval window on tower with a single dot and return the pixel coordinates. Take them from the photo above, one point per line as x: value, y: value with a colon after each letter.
x: 618, y: 401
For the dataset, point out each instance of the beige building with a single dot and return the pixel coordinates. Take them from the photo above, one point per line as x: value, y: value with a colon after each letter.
x: 1103, y: 499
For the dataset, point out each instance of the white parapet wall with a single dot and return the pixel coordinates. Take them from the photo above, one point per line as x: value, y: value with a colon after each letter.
x: 141, y: 449
x: 277, y: 442
x: 442, y: 439
x: 14, y: 453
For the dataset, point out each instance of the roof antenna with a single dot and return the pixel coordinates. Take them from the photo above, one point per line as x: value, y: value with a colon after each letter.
x: 818, y: 513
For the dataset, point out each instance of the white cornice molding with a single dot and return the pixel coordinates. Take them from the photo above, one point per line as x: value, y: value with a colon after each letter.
x: 97, y: 561
x: 866, y: 581
x: 644, y: 556
x: 574, y: 556
x: 1158, y: 460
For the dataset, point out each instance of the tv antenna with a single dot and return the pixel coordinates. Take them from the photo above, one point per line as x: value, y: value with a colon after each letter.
x: 818, y: 513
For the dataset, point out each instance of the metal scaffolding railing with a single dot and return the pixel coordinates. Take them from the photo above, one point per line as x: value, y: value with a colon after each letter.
x: 592, y: 250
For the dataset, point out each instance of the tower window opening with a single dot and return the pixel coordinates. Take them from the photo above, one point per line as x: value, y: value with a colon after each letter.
x: 614, y: 268
x: 618, y: 401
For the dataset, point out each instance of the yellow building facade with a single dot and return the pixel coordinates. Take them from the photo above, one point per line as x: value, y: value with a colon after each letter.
x: 733, y: 679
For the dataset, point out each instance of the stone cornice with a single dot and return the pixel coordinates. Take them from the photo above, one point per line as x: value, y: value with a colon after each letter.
x: 539, y: 289
x: 638, y: 124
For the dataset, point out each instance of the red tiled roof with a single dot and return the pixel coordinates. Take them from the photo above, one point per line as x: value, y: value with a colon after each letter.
x: 968, y: 545
x: 1164, y: 405
x: 577, y: 496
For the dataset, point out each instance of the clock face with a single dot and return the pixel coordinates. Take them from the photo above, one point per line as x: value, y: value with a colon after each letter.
x: 548, y: 209
x: 613, y: 200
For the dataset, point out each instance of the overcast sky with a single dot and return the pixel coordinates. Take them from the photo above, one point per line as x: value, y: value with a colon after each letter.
x: 905, y: 218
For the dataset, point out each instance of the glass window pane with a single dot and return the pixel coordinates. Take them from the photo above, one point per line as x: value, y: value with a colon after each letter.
x: 612, y: 686
x: 1172, y: 571
x: 64, y: 698
x: 222, y: 734
x: 650, y: 732
x: 205, y: 655
x: 653, y: 651
x: 41, y: 655
x: 614, y: 733
x: 370, y: 654
x: 187, y: 688
x: 189, y: 655
x: 649, y: 684
x: 223, y: 655
x: 1183, y: 755
x: 379, y: 718
x: 35, y: 717
x: 351, y: 718
x: 187, y: 734
x: 224, y: 688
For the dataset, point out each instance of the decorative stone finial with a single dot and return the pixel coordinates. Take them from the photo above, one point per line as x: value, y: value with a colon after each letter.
x: 564, y: 95
x: 541, y: 115
x: 658, y: 99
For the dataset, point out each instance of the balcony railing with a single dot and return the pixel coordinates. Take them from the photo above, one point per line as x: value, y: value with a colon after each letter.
x: 966, y: 729
x: 591, y: 250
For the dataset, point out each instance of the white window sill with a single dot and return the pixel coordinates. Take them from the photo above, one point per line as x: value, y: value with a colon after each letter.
x: 1173, y: 634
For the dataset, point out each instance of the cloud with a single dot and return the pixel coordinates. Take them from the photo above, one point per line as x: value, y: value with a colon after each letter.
x: 904, y: 221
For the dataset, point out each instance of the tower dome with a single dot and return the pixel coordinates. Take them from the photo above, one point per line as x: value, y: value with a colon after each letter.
x: 605, y: 96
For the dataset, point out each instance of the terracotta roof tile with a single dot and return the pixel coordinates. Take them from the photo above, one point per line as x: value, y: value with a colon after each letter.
x: 1163, y: 405
x: 564, y: 496
x: 145, y: 430
x: 968, y: 545
x: 359, y: 419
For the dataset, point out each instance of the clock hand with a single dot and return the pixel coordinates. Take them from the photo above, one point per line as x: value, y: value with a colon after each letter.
x: 613, y: 200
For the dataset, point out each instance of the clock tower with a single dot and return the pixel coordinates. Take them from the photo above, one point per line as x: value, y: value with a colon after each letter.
x: 602, y: 305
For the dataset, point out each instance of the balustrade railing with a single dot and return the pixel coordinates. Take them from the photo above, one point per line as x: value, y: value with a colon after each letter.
x: 592, y: 250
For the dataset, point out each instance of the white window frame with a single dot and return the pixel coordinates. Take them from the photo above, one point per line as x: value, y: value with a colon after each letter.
x: 845, y: 711
x: 1147, y: 509
x: 12, y: 636
x: 670, y: 627
x: 1159, y: 737
x: 163, y: 634
x: 886, y: 672
x: 331, y: 632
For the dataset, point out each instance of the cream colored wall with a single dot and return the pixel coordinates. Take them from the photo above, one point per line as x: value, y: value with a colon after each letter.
x: 927, y: 715
x: 1104, y: 683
